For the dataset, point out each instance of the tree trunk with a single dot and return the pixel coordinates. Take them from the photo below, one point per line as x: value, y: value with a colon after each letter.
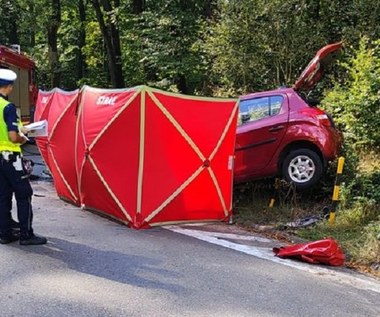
x: 32, y: 35
x: 81, y: 62
x: 208, y: 8
x: 138, y: 6
x: 111, y: 38
x: 53, y: 26
x: 182, y: 84
x: 13, y: 28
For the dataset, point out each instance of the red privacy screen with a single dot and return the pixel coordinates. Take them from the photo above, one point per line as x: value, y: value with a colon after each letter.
x: 144, y: 156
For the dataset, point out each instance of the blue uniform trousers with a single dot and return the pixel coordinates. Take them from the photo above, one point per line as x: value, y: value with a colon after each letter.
x: 14, y: 181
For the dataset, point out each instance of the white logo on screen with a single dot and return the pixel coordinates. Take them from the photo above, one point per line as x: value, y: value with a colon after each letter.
x: 104, y: 100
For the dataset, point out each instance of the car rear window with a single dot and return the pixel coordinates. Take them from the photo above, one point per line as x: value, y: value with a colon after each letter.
x: 258, y: 108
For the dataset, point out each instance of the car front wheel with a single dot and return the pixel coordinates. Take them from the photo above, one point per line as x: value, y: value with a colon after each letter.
x: 303, y: 168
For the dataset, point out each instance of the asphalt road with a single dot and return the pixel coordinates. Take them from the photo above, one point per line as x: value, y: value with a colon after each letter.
x: 92, y: 266
x: 95, y: 267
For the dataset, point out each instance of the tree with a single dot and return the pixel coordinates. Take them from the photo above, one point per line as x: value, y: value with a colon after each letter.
x: 81, y: 62
x: 10, y: 15
x: 257, y: 45
x: 164, y: 41
x: 196, y: 46
x: 138, y: 6
x: 106, y: 16
x: 52, y: 32
x: 355, y: 103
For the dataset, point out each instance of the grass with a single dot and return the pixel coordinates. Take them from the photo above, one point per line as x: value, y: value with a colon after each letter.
x: 356, y: 229
x: 358, y: 232
x: 369, y: 162
x: 252, y: 203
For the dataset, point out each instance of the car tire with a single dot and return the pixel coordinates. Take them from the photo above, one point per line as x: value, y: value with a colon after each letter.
x: 303, y: 168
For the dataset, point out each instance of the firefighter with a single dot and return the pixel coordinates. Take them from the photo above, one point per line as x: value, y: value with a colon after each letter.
x: 12, y: 176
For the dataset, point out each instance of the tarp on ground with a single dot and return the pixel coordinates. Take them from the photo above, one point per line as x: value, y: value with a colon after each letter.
x: 147, y: 157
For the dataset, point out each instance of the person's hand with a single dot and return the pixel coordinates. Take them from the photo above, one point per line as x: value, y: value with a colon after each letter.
x: 24, y: 130
x: 24, y: 137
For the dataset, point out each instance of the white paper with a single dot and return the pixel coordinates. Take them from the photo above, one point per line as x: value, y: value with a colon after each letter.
x: 39, y: 128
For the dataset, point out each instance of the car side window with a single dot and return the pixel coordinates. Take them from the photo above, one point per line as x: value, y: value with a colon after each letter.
x: 275, y: 105
x: 258, y: 108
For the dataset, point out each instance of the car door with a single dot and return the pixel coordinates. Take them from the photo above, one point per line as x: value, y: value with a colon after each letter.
x: 263, y: 122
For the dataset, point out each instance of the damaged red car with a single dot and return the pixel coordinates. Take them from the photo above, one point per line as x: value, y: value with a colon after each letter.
x: 281, y: 134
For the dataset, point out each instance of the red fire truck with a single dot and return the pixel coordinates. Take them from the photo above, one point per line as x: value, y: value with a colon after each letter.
x: 25, y: 90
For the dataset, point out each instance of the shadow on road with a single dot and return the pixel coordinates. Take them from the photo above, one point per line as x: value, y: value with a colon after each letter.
x: 130, y: 269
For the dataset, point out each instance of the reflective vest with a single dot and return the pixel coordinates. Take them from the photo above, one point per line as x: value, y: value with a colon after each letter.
x: 5, y: 143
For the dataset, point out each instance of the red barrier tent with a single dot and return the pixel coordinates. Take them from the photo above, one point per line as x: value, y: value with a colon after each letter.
x: 106, y: 128
x: 43, y: 104
x: 61, y: 149
x: 55, y: 106
x: 148, y: 157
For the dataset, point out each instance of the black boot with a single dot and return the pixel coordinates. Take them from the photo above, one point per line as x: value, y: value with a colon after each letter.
x: 15, y: 228
x: 32, y: 239
x: 8, y: 238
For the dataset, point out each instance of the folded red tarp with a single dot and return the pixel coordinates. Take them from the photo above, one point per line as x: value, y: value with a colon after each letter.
x: 323, y: 251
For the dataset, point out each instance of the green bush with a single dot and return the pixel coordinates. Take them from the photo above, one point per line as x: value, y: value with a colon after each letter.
x: 355, y: 104
x: 365, y: 188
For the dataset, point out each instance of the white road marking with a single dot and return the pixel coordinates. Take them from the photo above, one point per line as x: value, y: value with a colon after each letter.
x: 353, y: 279
x: 220, y: 235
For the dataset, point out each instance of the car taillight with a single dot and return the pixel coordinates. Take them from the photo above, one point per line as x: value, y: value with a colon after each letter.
x: 324, y: 119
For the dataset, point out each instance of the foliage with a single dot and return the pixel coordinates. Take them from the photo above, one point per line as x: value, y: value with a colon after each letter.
x: 257, y: 45
x: 10, y: 12
x: 94, y: 53
x: 252, y: 202
x: 162, y: 50
x: 355, y: 104
x: 212, y: 47
x: 364, y: 187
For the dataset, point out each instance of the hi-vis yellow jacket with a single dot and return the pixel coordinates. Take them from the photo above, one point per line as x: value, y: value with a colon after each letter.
x: 5, y: 143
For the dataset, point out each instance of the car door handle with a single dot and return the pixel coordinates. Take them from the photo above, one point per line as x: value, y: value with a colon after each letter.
x: 276, y: 128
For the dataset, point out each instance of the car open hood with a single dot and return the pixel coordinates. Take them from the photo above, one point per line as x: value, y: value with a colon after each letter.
x: 314, y: 71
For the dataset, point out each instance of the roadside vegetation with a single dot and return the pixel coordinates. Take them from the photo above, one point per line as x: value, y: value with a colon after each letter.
x: 355, y: 103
